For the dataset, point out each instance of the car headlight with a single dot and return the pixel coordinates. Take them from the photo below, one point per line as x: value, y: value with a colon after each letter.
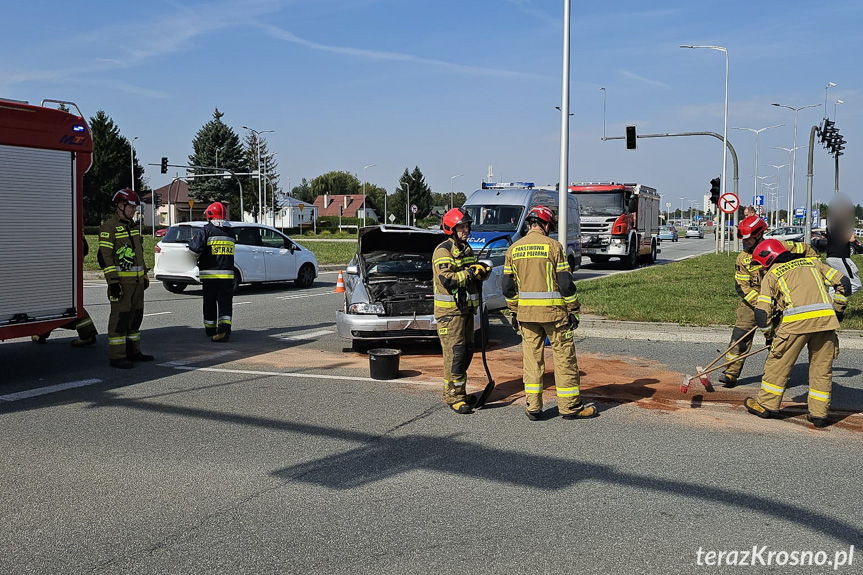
x: 366, y: 308
x: 617, y: 241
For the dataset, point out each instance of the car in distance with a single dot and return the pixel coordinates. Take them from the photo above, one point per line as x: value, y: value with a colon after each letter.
x: 786, y: 233
x: 668, y: 233
x: 261, y: 254
x: 389, y: 288
x: 694, y: 232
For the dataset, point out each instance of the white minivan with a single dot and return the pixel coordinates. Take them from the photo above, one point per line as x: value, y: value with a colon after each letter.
x: 261, y: 254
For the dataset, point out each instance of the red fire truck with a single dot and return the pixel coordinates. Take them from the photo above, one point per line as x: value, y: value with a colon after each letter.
x: 618, y: 220
x: 44, y: 153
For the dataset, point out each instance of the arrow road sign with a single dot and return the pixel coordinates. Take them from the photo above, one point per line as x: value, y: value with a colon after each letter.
x: 729, y: 202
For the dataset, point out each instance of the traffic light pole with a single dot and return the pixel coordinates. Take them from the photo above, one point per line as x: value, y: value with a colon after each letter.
x: 733, y: 159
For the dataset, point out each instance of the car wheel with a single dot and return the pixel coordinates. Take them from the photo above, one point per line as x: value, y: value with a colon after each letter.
x: 651, y: 259
x: 306, y: 276
x: 237, y: 280
x: 174, y: 287
x: 629, y: 261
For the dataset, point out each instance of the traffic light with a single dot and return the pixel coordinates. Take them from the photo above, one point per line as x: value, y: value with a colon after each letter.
x: 714, y: 190
x: 631, y: 142
x: 164, y: 165
x: 157, y: 200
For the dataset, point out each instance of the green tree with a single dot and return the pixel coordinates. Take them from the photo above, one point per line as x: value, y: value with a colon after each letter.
x: 270, y: 184
x: 411, y: 184
x: 216, y: 145
x: 110, y: 170
x: 336, y: 183
x: 303, y: 192
x: 458, y: 199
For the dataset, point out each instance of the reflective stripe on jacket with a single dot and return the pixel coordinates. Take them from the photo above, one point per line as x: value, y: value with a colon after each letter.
x: 454, y: 292
x: 799, y: 290
x: 214, y: 244
x: 537, y: 280
x: 121, y: 252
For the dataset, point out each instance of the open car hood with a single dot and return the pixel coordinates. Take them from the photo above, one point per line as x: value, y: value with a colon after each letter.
x: 395, y: 239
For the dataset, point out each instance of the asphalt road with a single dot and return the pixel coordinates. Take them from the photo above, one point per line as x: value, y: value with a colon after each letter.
x: 276, y: 453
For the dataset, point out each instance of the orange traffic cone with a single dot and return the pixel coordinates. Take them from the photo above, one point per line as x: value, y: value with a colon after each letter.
x: 340, y: 284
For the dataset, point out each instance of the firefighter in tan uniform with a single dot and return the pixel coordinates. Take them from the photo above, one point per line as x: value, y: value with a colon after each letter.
x: 539, y: 290
x: 458, y: 278
x: 747, y: 279
x: 797, y: 289
x: 121, y: 257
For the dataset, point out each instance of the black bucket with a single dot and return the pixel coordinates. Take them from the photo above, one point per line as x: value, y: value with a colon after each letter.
x: 384, y: 363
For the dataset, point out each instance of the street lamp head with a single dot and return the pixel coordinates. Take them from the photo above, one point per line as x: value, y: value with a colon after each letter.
x: 831, y: 84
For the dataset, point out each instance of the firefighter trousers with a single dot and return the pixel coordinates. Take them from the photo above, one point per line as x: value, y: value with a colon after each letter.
x: 124, y: 323
x: 745, y: 322
x: 84, y: 326
x: 823, y: 348
x: 456, y: 341
x: 218, y: 305
x: 566, y: 376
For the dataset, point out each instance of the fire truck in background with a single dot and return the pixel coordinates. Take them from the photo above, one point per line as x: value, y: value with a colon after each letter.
x: 44, y: 153
x: 618, y: 220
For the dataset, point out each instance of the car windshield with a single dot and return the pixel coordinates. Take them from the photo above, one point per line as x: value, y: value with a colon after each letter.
x: 179, y: 234
x: 604, y: 204
x: 398, y: 263
x: 664, y: 228
x: 494, y: 218
x: 694, y: 228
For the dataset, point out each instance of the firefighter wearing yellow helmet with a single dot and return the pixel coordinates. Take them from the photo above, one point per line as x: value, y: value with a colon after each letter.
x: 458, y: 278
x: 121, y: 257
x: 539, y: 290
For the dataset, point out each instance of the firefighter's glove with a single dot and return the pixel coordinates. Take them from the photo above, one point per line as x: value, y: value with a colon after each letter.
x: 115, y: 292
x: 574, y: 320
x: 480, y: 271
x: 125, y: 257
x: 513, y: 320
x: 840, y: 315
x: 768, y: 340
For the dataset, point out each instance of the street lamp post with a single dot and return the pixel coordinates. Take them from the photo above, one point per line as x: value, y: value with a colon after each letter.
x: 260, y: 179
x: 451, y: 202
x: 603, y: 112
x: 132, y: 160
x: 826, y: 89
x: 778, y: 187
x: 408, y: 204
x: 682, y: 199
x: 793, y: 152
x: 364, y: 191
x: 724, y: 142
x: 757, y: 133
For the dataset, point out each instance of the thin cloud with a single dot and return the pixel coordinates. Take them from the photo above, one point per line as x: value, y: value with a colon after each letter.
x: 379, y: 55
x: 633, y: 76
x: 528, y: 8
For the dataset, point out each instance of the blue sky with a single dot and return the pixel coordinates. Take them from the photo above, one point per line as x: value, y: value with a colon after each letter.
x: 455, y: 86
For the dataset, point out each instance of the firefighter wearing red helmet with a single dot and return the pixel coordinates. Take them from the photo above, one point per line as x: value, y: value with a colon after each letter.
x: 458, y: 278
x: 121, y: 257
x: 795, y: 288
x: 541, y: 294
x: 747, y: 280
x: 214, y: 245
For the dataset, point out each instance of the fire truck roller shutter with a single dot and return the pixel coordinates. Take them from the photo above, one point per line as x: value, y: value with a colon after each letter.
x: 38, y: 222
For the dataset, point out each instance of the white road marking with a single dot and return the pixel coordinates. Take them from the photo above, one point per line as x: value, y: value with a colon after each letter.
x: 306, y: 295
x: 196, y: 359
x: 308, y: 335
x: 241, y: 302
x: 46, y: 390
x: 303, y: 375
x: 157, y: 313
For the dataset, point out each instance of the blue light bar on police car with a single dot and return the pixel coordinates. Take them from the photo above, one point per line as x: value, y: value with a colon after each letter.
x: 77, y: 128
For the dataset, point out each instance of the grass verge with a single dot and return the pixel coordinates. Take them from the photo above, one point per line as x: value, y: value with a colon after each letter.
x: 699, y: 291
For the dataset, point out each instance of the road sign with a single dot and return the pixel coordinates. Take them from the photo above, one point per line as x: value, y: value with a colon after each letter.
x: 392, y: 218
x: 799, y: 212
x: 729, y: 202
x: 759, y: 209
x: 413, y: 208
x: 759, y: 200
x: 301, y: 206
x: 191, y: 204
x: 667, y: 204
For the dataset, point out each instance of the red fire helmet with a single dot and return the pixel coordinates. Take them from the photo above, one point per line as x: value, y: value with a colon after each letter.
x: 453, y: 218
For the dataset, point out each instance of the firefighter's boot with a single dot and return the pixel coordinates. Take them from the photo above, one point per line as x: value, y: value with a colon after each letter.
x: 140, y: 357
x: 818, y: 422
x: 728, y: 380
x: 582, y: 412
x: 42, y: 338
x: 84, y: 342
x: 122, y: 363
x: 756, y: 408
x: 222, y: 337
x: 463, y: 406
x: 534, y: 415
